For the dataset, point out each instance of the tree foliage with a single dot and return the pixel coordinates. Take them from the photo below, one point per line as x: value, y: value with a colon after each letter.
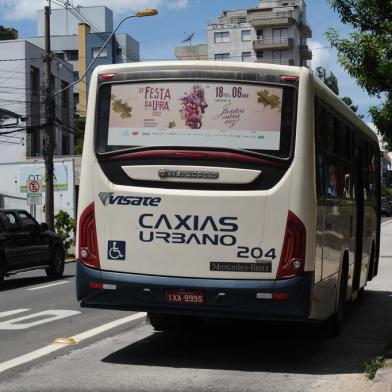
x: 8, y: 33
x: 366, y: 54
x: 65, y: 227
x: 331, y: 81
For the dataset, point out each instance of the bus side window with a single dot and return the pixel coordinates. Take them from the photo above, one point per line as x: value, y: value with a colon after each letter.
x: 331, y: 183
x: 346, y: 173
x: 330, y: 132
x: 372, y: 174
x: 320, y: 138
x: 365, y: 157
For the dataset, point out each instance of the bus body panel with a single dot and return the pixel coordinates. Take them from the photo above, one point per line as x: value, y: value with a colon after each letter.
x: 154, y: 239
x: 188, y: 230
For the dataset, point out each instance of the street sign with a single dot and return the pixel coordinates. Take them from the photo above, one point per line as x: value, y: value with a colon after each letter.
x: 34, y: 192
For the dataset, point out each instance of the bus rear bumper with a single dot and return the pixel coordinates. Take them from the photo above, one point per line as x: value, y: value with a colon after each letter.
x: 287, y: 299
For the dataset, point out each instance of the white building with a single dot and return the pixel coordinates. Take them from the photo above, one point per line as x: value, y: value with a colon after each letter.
x: 22, y: 92
x: 276, y: 31
x: 14, y: 177
x: 77, y: 34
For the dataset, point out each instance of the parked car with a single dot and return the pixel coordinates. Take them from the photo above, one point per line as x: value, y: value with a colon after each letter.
x: 26, y: 245
x: 386, y: 207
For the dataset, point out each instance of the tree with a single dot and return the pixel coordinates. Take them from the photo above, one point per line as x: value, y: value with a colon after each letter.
x: 367, y: 52
x: 8, y: 33
x: 331, y: 81
x: 349, y: 102
x: 79, y: 136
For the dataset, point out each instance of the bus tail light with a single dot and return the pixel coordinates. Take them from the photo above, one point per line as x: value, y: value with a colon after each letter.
x: 292, y: 259
x: 88, y: 244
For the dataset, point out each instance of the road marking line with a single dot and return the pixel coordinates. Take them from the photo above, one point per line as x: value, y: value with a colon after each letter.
x: 48, y: 285
x: 12, y: 312
x: 387, y: 222
x: 47, y: 316
x: 55, y: 347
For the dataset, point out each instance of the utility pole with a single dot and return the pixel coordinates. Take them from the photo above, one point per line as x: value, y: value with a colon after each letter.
x: 49, y: 125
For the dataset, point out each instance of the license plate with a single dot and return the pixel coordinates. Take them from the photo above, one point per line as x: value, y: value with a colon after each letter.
x: 184, y: 297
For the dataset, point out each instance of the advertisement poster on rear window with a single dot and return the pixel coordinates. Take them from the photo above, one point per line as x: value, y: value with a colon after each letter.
x: 197, y: 114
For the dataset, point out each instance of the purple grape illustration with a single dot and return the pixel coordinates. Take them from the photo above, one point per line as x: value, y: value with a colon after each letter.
x: 193, y: 106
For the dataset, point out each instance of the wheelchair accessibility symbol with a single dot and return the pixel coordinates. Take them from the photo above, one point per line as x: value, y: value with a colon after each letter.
x: 116, y: 250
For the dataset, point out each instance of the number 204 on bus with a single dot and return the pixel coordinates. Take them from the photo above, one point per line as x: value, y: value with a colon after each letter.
x: 222, y: 189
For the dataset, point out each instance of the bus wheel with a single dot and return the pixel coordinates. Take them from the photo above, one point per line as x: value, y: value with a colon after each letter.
x: 164, y: 322
x: 2, y: 273
x: 173, y: 322
x: 335, y: 323
x: 371, y: 265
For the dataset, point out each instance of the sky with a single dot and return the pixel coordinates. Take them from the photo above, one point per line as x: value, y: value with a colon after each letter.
x: 160, y: 34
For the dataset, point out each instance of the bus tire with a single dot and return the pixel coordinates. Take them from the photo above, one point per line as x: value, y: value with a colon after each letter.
x: 164, y: 322
x: 371, y: 264
x: 334, y: 324
x: 56, y: 268
x: 174, y: 322
x: 2, y: 273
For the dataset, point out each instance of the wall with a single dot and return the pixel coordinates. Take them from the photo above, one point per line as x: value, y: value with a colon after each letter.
x: 15, y: 175
x: 63, y: 22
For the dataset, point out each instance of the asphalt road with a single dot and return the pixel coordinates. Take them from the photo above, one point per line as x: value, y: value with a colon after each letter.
x: 246, y: 356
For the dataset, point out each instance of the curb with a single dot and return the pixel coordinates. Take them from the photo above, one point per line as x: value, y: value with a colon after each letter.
x: 382, y: 380
x: 70, y: 260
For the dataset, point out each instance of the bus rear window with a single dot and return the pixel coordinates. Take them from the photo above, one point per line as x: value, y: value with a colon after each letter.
x: 223, y: 115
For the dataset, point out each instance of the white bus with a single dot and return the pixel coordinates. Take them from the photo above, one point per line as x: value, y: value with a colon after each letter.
x: 225, y: 189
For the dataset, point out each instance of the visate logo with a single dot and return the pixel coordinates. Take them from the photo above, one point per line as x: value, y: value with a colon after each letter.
x: 109, y: 198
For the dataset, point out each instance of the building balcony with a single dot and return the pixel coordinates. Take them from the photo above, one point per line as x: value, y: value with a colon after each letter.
x: 305, y: 53
x: 276, y: 61
x: 270, y: 19
x: 305, y: 30
x: 273, y: 43
x: 263, y: 22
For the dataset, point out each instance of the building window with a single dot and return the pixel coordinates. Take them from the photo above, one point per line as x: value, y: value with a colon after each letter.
x: 238, y: 19
x: 34, y: 80
x: 60, y: 56
x: 119, y: 51
x: 103, y: 54
x: 278, y: 35
x: 75, y: 75
x: 222, y: 56
x: 280, y: 56
x: 64, y: 95
x: 220, y: 37
x: 246, y: 56
x: 246, y: 35
x: 259, y: 34
x: 72, y: 55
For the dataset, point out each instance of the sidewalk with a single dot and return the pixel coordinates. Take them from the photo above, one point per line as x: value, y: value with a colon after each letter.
x: 383, y: 378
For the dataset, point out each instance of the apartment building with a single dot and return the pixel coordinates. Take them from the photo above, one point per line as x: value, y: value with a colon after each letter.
x: 275, y: 31
x: 77, y: 35
x: 22, y: 92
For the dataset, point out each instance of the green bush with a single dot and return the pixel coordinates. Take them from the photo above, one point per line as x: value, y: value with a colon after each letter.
x: 386, y: 192
x: 65, y: 227
x: 373, y: 365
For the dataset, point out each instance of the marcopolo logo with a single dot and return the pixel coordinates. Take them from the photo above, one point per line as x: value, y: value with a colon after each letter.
x: 193, y: 174
x: 109, y: 198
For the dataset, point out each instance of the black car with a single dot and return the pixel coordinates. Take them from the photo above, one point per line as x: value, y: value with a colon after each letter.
x: 386, y: 207
x: 26, y: 245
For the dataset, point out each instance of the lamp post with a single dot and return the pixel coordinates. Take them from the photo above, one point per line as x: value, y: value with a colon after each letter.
x: 50, y: 112
x: 139, y: 14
